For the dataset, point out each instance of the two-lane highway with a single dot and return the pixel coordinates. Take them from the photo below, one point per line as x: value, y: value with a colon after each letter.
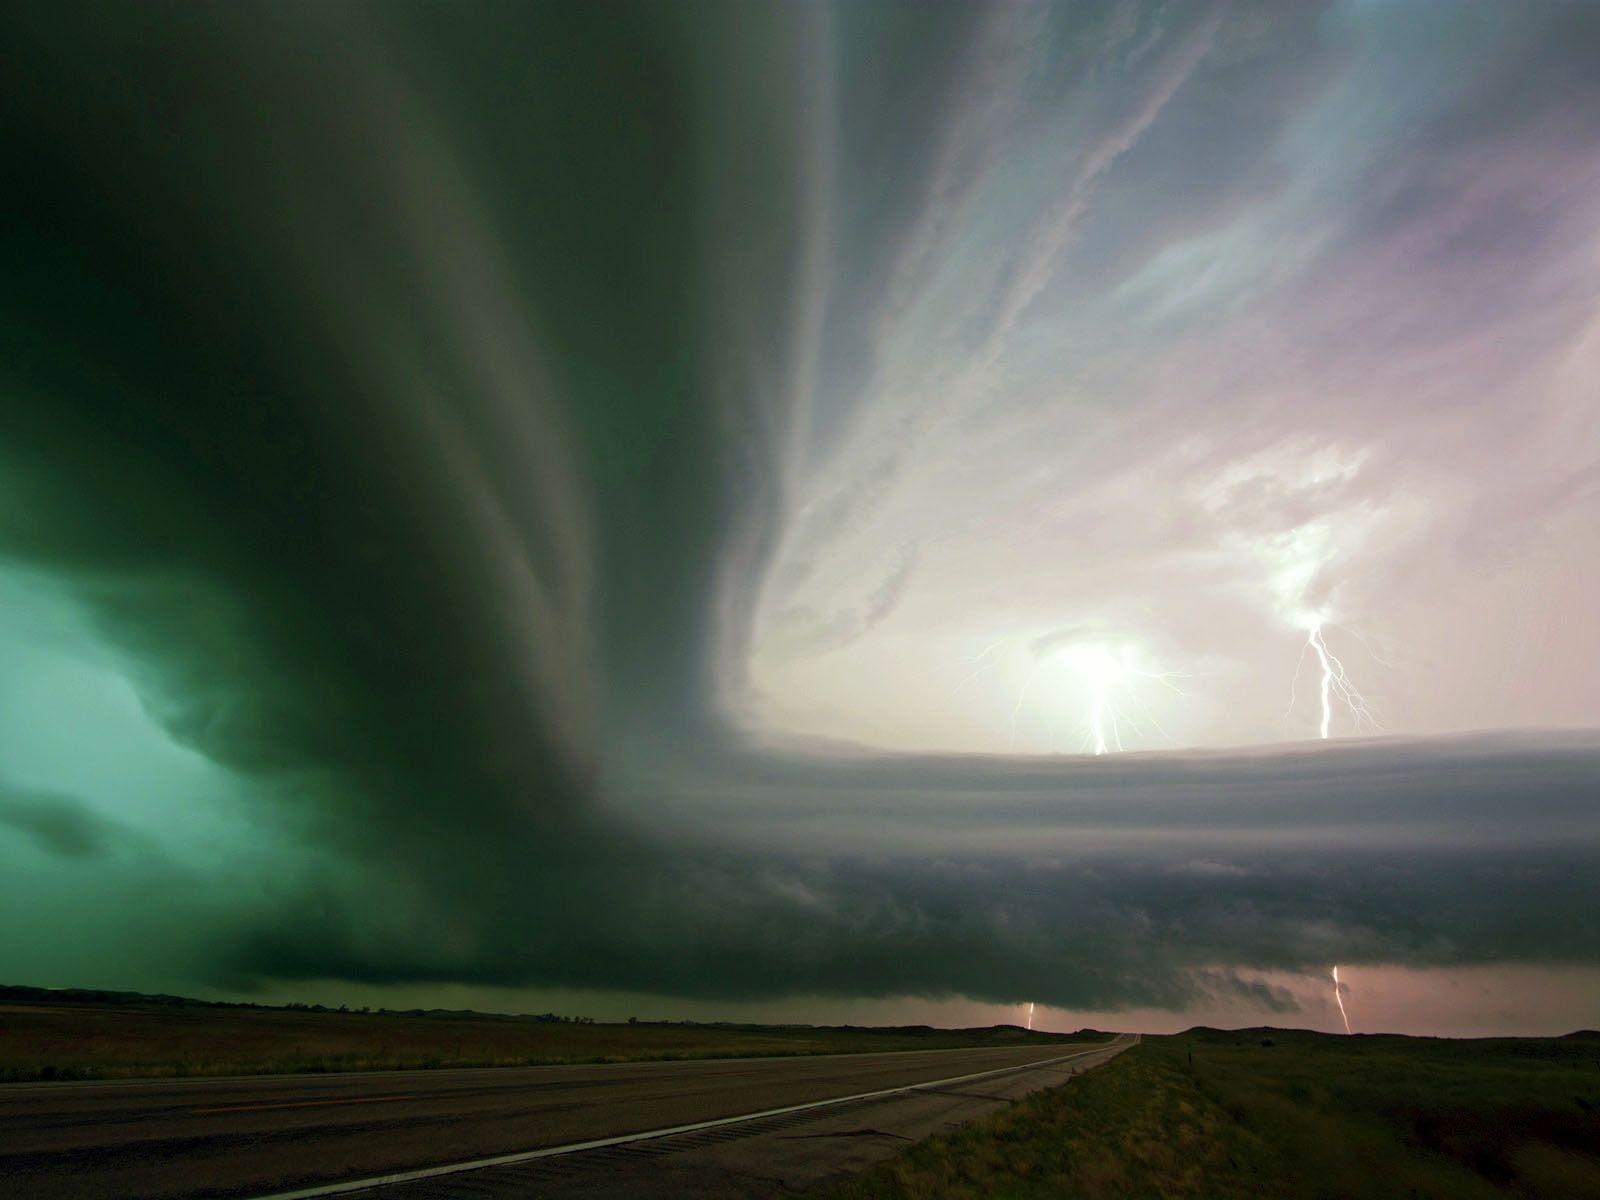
x: 150, y: 1139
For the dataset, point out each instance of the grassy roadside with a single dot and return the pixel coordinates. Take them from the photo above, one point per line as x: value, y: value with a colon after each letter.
x: 117, y: 1041
x: 1269, y: 1113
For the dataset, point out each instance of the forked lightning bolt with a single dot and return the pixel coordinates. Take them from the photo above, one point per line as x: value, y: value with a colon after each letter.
x: 1335, y: 688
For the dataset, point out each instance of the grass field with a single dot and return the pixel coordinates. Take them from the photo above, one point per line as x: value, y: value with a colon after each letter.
x: 1269, y: 1113
x: 45, y: 1041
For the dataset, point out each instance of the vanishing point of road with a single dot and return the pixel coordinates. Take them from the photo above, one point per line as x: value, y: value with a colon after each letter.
x: 729, y: 1127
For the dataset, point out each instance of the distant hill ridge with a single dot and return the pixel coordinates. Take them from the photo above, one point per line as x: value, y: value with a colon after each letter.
x: 23, y: 994
x: 1251, y: 1031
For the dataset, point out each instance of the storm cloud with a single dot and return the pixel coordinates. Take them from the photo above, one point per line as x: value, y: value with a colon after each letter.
x: 607, y: 498
x: 62, y: 825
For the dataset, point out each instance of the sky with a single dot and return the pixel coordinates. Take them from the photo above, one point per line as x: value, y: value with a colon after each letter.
x: 865, y: 511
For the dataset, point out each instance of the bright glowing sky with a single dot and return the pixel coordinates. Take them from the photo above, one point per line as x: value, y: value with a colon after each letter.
x: 654, y: 511
x: 1201, y: 329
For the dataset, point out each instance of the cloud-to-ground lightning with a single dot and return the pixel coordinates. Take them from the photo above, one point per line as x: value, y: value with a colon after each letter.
x: 1340, y: 998
x: 1030, y: 1016
x: 1335, y: 688
x: 1299, y: 560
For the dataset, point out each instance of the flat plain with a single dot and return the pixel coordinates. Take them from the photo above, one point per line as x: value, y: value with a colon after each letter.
x: 98, y: 1037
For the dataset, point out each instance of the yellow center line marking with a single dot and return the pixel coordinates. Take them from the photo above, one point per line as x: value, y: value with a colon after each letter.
x: 302, y: 1104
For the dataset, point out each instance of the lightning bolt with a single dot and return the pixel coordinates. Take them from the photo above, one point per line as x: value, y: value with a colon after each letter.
x: 1335, y: 688
x: 1022, y: 694
x: 1030, y: 1016
x: 1337, y: 997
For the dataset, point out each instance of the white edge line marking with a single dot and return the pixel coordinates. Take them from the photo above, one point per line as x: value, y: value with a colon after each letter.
x: 505, y: 1160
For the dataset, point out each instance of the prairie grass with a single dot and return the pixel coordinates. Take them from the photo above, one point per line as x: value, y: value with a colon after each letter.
x: 86, y: 1041
x: 1267, y: 1113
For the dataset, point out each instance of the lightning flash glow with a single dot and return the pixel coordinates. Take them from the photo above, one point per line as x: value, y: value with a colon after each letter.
x: 1097, y: 688
x: 1111, y: 676
x: 1339, y: 999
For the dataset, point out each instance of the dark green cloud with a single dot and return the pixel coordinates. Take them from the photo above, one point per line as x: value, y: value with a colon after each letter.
x: 59, y: 824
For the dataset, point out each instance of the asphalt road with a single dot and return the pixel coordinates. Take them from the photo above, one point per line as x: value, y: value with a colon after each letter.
x: 160, y: 1139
